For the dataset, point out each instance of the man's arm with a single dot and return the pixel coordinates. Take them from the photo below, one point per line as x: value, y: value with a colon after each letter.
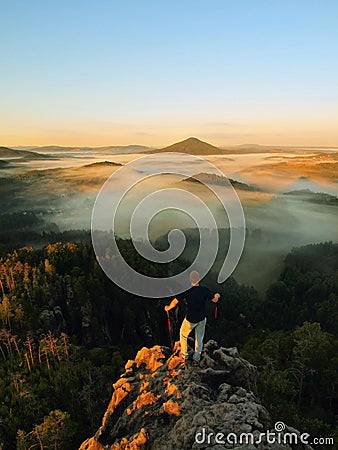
x: 172, y: 305
x: 216, y: 297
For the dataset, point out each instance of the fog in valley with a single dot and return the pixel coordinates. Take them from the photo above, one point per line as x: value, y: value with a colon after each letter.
x: 289, y: 199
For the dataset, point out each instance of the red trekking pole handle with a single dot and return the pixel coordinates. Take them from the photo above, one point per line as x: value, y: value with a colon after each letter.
x: 169, y: 329
x: 169, y: 323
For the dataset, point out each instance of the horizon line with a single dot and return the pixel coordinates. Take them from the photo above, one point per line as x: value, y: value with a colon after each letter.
x: 222, y: 146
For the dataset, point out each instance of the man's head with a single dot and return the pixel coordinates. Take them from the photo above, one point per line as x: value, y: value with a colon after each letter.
x: 194, y: 277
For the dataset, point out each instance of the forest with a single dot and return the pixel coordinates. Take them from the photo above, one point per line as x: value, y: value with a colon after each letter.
x: 67, y: 330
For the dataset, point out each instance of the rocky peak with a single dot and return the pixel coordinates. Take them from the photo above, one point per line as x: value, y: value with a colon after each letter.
x: 159, y: 403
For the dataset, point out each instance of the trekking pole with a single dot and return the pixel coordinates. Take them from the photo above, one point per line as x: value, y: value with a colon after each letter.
x: 216, y: 312
x: 170, y: 330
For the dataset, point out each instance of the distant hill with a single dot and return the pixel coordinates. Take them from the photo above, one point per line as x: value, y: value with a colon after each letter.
x: 24, y: 147
x: 302, y: 192
x: 315, y: 197
x: 257, y: 148
x: 103, y: 164
x: 106, y: 149
x: 4, y: 164
x: 59, y: 149
x: 304, y: 183
x: 193, y: 146
x: 6, y: 152
x: 123, y: 149
x: 211, y: 178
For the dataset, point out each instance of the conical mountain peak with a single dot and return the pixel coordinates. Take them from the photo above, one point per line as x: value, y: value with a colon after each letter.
x: 193, y: 146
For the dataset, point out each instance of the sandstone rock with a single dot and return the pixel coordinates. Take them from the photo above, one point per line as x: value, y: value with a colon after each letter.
x: 161, y: 404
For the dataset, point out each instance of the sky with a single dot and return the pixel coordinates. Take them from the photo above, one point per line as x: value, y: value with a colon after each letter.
x: 118, y: 72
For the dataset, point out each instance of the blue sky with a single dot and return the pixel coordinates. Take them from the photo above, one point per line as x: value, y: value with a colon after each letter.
x: 121, y: 72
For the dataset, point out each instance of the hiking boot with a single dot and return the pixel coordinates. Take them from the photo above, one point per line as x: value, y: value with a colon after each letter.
x: 195, y: 362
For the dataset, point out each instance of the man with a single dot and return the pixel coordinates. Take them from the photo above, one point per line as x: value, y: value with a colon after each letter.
x: 195, y: 318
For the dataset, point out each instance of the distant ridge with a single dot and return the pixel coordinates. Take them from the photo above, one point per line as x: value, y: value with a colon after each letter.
x: 4, y: 164
x: 103, y: 164
x: 193, y: 146
x: 212, y: 178
x: 6, y: 152
x: 133, y: 148
x: 315, y: 197
x: 54, y: 149
x: 257, y: 148
x: 303, y: 183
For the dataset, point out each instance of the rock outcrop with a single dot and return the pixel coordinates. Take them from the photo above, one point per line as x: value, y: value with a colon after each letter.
x: 161, y: 404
